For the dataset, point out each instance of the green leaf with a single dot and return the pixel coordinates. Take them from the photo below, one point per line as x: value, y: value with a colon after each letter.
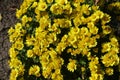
x: 82, y: 62
x: 79, y: 78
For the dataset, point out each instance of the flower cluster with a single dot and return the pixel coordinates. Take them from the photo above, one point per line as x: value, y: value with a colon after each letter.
x: 62, y: 40
x: 115, y: 6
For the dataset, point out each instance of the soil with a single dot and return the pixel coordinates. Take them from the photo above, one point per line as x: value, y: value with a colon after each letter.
x: 7, y: 11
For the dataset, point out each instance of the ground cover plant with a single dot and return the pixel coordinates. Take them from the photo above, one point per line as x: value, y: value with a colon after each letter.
x: 64, y: 40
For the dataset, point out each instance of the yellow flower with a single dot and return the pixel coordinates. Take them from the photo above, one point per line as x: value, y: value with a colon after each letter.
x: 42, y: 6
x: 19, y: 45
x: 53, y: 27
x: 14, y: 74
x: 62, y: 2
x: 49, y: 1
x: 29, y: 1
x: 44, y: 60
x: 18, y: 26
x: 30, y: 19
x: 30, y: 53
x: 105, y: 19
x: 82, y: 44
x: 67, y: 9
x: 84, y: 30
x: 90, y: 25
x: 38, y: 15
x: 36, y: 51
x: 38, y: 31
x: 72, y: 65
x: 19, y: 30
x: 13, y: 37
x: 34, y: 70
x: 93, y: 64
x: 72, y: 39
x: 47, y: 71
x: 34, y: 5
x: 53, y: 53
x: 106, y: 29
x: 18, y: 13
x: 114, y: 42
x: 97, y: 36
x: 92, y: 42
x: 12, y: 52
x: 85, y: 9
x: 109, y: 71
x: 24, y: 20
x: 30, y: 40
x: 85, y: 20
x: 11, y: 30
x: 96, y: 76
x: 85, y: 51
x: 74, y: 52
x: 14, y: 63
x: 110, y: 59
x: 37, y: 11
x: 64, y: 38
x: 78, y: 1
x: 56, y: 9
x: 82, y: 69
x: 77, y: 22
x: 81, y: 1
x: 115, y: 7
x: 95, y: 8
x: 57, y: 75
x: 60, y: 47
x: 21, y: 70
x: 94, y: 17
x: 44, y: 22
x: 64, y: 23
x: 57, y: 62
x: 114, y: 50
x: 74, y: 30
x: 51, y: 37
x: 106, y: 47
x: 100, y: 14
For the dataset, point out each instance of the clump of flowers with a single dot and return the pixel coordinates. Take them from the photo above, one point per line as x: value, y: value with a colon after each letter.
x: 115, y: 6
x: 62, y: 40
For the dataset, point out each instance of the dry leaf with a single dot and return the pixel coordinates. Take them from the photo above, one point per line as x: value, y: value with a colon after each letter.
x: 96, y: 1
x: 0, y: 17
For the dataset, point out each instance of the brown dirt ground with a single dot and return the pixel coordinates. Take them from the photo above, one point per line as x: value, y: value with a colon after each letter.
x: 7, y: 10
